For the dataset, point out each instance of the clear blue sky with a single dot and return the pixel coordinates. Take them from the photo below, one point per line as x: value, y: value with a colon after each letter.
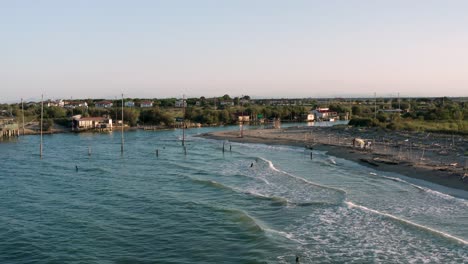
x: 99, y: 48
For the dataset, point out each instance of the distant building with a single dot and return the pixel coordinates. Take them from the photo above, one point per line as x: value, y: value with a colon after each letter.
x: 87, y: 123
x: 324, y: 114
x: 144, y: 104
x: 227, y: 103
x: 180, y: 103
x: 103, y: 104
x: 282, y: 102
x: 244, y: 101
x: 129, y: 104
x: 59, y: 103
x: 72, y: 105
x: 310, y: 117
x: 8, y: 127
x: 242, y: 117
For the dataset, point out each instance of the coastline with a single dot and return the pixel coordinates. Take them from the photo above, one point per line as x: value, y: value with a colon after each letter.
x: 445, y: 175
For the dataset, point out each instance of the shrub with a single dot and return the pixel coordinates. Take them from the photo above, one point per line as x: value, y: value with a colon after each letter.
x: 363, y: 122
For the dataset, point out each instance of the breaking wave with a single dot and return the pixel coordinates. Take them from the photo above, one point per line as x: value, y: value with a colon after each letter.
x: 407, y: 222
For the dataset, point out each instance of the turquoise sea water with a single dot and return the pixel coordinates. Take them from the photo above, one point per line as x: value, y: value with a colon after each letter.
x: 213, y: 207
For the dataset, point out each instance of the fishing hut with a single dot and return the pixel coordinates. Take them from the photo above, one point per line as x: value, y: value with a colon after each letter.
x: 99, y: 124
x: 8, y: 128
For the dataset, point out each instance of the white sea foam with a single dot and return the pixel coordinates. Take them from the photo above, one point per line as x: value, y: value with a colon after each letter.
x: 285, y: 235
x: 405, y: 182
x: 429, y: 191
x: 271, y: 166
x: 443, y: 234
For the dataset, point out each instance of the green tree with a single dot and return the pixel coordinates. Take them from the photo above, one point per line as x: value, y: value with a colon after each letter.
x: 356, y: 110
x: 54, y: 112
x: 155, y: 116
x: 224, y: 117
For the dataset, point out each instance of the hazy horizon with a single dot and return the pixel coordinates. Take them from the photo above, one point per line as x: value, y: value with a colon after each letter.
x: 264, y: 49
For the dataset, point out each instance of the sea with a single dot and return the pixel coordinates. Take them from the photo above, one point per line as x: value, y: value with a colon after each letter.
x: 215, y: 201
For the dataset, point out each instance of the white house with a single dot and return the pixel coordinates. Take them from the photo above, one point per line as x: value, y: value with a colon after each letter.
x: 180, y: 103
x: 72, y: 105
x: 144, y: 104
x: 243, y: 118
x: 324, y: 114
x: 228, y: 103
x: 59, y: 103
x: 85, y: 123
x: 130, y: 104
x: 104, y: 104
x: 243, y: 101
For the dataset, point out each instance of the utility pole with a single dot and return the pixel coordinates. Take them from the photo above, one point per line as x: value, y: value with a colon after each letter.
x: 116, y: 110
x: 22, y: 113
x: 122, y: 125
x: 242, y: 119
x: 183, y: 120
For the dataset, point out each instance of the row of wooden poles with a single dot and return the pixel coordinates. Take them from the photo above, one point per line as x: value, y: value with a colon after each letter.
x: 7, y: 133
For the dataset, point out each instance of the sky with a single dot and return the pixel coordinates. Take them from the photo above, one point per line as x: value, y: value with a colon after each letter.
x: 260, y: 48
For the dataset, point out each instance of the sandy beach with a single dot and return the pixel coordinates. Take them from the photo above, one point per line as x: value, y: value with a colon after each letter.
x: 434, y: 158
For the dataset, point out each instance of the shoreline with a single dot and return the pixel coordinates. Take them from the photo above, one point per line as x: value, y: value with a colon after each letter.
x: 441, y: 175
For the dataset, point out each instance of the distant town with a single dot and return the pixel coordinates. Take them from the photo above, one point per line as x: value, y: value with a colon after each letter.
x: 441, y: 114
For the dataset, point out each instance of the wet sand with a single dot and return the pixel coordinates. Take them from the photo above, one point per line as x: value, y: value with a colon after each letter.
x: 419, y: 160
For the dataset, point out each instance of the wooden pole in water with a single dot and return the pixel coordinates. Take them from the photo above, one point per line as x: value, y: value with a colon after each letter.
x: 42, y: 115
x: 185, y: 150
x: 242, y: 120
x: 122, y: 125
x: 223, y: 147
x: 89, y: 151
x: 183, y: 121
x: 22, y: 113
x: 157, y: 152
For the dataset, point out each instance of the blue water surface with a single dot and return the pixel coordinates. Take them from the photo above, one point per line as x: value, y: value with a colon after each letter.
x: 253, y: 204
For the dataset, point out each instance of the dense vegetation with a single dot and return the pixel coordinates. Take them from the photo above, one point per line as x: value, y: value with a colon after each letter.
x: 428, y: 114
x: 164, y: 111
x: 433, y: 115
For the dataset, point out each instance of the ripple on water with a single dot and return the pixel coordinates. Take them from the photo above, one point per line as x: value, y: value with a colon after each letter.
x: 210, y: 207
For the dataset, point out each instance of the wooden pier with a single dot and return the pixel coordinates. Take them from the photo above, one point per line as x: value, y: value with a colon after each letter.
x: 8, y: 129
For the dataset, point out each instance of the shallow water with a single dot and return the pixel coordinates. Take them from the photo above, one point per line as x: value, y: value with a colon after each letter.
x: 213, y: 207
